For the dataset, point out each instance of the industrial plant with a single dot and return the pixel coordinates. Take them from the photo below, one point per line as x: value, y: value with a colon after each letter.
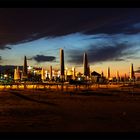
x: 27, y: 73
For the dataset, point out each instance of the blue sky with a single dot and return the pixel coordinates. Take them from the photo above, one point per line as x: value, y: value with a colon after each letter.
x: 74, y: 46
x: 111, y: 37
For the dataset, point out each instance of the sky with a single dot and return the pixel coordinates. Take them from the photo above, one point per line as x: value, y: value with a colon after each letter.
x: 109, y: 36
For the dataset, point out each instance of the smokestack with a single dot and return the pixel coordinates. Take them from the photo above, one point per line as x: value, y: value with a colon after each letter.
x: 132, y: 74
x: 42, y: 74
x: 62, y: 64
x: 24, y: 74
x: 85, y: 63
x: 108, y: 73
x: 88, y: 70
x: 50, y: 72
x: 117, y: 76
x: 102, y: 74
x: 73, y: 70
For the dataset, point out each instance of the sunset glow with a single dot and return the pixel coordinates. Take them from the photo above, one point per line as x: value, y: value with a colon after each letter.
x: 109, y: 36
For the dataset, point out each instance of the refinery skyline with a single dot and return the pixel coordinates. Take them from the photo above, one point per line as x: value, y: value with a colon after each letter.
x: 29, y: 73
x: 108, y: 73
x: 63, y: 71
x: 109, y: 36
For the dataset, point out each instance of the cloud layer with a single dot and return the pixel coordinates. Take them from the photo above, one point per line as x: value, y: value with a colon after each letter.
x: 20, y: 25
x: 119, y: 47
x: 43, y: 58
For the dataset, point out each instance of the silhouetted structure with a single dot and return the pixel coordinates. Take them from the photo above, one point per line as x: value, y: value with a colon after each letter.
x: 86, y: 67
x: 94, y: 73
x: 102, y: 74
x: 125, y: 77
x: 62, y: 64
x: 117, y: 76
x: 95, y: 76
x: 108, y: 73
x: 132, y: 74
x: 73, y: 75
x: 50, y: 72
x: 88, y: 70
x: 24, y: 72
x: 66, y: 73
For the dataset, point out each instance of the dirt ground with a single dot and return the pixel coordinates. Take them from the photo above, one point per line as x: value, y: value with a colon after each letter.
x: 83, y: 111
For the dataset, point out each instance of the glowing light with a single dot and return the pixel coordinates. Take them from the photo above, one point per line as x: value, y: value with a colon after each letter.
x: 5, y: 75
x: 29, y: 68
x: 79, y: 79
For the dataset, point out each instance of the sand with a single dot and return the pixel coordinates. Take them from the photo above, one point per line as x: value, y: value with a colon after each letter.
x: 100, y: 110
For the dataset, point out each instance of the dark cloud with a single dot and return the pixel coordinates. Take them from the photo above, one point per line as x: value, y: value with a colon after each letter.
x: 43, y: 58
x: 20, y: 25
x: 1, y: 60
x: 2, y: 47
x: 116, y: 52
x: 119, y: 59
x: 138, y: 70
x: 136, y: 26
x: 132, y: 57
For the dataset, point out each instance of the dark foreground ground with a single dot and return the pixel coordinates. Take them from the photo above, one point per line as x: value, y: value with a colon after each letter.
x: 52, y: 111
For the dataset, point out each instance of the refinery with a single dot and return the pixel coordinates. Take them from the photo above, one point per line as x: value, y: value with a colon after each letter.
x: 29, y: 74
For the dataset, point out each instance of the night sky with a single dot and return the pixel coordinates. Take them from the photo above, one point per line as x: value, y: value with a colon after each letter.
x: 110, y: 36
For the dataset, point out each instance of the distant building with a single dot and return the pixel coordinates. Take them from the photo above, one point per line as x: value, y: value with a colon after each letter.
x: 132, y: 74
x: 86, y: 66
x: 62, y: 75
x: 98, y: 78
x: 95, y: 76
x: 24, y: 72
x: 108, y: 73
x: 50, y: 72
x: 73, y: 74
x: 43, y: 75
x: 16, y: 74
x: 117, y: 76
x: 102, y: 74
